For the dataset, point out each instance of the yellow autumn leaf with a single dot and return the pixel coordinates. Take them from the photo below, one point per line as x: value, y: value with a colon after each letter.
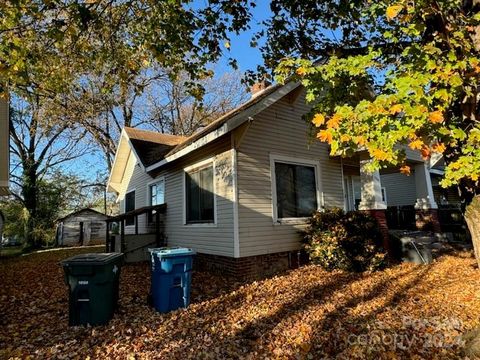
x: 360, y: 140
x: 227, y: 44
x: 325, y: 136
x: 416, y: 144
x: 436, y: 117
x: 345, y: 138
x: 439, y: 148
x: 301, y: 71
x: 395, y: 109
x: 474, y: 177
x: 379, y: 154
x: 393, y: 11
x: 318, y: 120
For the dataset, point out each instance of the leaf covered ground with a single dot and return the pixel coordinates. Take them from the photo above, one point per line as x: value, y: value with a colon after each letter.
x: 407, y: 311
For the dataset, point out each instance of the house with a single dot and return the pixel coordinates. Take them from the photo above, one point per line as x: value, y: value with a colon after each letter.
x: 239, y: 190
x: 82, y: 227
x: 4, y: 147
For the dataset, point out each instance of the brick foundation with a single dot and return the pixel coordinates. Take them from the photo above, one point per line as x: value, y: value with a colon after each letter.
x: 382, y: 224
x: 250, y: 267
x: 427, y: 220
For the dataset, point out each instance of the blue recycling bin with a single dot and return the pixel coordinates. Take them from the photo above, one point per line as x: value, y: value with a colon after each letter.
x: 171, y: 277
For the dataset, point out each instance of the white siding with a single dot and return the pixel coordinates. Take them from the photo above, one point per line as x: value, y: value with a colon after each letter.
x: 135, y: 178
x: 210, y: 239
x: 400, y: 189
x: 278, y: 130
x: 213, y: 239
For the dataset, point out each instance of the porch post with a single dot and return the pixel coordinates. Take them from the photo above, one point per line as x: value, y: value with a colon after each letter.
x: 122, y: 235
x: 372, y: 202
x: 426, y: 209
x: 107, y: 238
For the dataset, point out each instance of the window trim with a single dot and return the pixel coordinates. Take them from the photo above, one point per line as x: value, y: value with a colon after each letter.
x: 293, y: 161
x: 196, y: 167
x: 125, y: 203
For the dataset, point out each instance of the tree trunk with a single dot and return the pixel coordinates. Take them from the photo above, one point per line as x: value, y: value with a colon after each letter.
x: 30, y: 196
x: 472, y: 218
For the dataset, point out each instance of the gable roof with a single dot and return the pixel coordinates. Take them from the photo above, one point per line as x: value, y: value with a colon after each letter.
x: 150, y: 146
x: 154, y: 149
x: 81, y: 211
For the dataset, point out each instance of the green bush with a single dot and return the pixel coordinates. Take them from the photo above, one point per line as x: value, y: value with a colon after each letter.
x: 348, y: 241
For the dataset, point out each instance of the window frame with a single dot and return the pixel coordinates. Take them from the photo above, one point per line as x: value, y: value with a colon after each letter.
x: 150, y: 217
x: 193, y: 168
x: 125, y: 204
x: 149, y: 191
x: 318, y: 186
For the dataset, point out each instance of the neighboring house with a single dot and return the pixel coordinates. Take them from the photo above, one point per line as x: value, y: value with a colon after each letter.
x: 83, y: 227
x: 239, y: 191
x: 4, y: 147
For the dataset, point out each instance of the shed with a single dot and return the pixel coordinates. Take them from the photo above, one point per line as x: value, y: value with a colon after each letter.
x: 82, y: 227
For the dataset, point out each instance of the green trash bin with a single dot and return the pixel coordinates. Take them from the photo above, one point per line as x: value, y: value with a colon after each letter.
x: 93, y: 282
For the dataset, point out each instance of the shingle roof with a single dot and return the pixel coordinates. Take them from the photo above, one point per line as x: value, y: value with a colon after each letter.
x: 151, y: 145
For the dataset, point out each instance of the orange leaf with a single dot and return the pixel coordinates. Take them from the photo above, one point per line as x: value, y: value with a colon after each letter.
x: 334, y: 121
x: 416, y: 144
x: 345, y: 138
x: 439, y: 148
x: 405, y: 169
x: 360, y: 140
x: 318, y: 120
x: 426, y: 152
x: 325, y: 136
x: 379, y: 154
x: 436, y: 117
x: 301, y: 71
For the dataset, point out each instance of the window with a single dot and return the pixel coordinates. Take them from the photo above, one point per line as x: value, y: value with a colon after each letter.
x: 157, y: 197
x: 296, y: 190
x: 157, y: 193
x: 130, y: 206
x: 199, y: 196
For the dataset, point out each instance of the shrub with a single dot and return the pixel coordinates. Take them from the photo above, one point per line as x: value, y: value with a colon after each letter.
x: 348, y: 241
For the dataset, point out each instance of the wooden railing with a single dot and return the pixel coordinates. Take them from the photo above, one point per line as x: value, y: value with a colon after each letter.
x: 152, y: 212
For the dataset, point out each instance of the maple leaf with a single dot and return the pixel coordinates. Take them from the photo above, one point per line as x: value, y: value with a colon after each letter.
x: 426, y: 152
x: 334, y: 122
x: 379, y: 154
x: 393, y: 11
x: 395, y: 109
x: 405, y: 169
x: 325, y: 136
x: 435, y: 117
x: 416, y: 144
x: 301, y: 71
x: 318, y: 120
x: 439, y: 148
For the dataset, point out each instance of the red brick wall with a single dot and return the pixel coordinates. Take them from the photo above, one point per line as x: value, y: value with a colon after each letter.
x: 382, y: 224
x: 251, y: 267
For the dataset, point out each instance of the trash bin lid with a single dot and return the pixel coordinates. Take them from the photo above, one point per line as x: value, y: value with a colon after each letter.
x: 92, y: 259
x: 171, y: 251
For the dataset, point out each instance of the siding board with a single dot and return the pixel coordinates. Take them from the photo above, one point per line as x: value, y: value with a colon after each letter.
x: 278, y: 130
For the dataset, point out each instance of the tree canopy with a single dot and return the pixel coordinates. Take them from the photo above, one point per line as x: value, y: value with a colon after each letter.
x: 406, y: 73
